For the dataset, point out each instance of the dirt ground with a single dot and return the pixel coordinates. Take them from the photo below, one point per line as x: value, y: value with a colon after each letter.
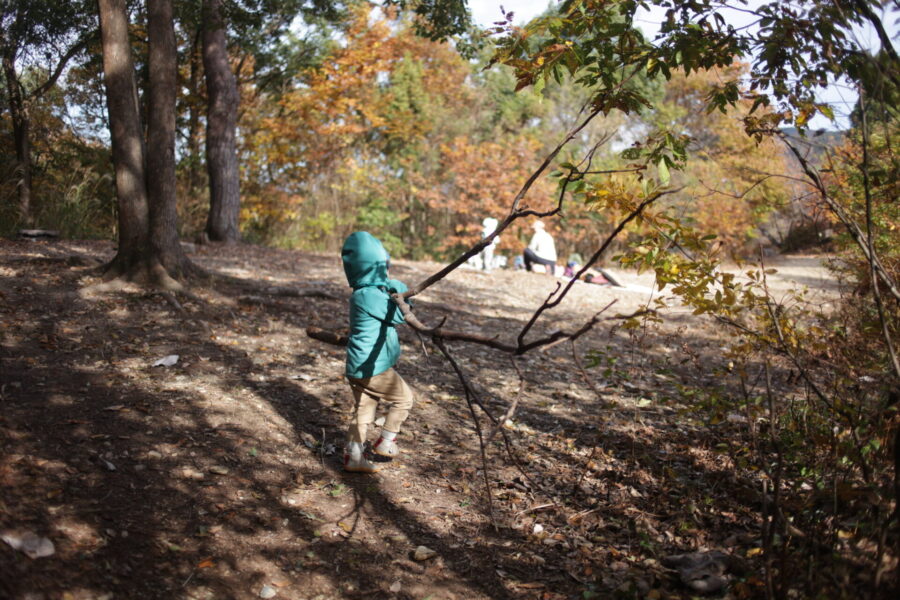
x: 219, y: 476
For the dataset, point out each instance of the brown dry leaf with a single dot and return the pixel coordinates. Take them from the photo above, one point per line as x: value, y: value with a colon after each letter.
x: 534, y: 585
x: 206, y: 563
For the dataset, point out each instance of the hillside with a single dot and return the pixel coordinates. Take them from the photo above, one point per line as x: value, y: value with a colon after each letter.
x: 220, y: 476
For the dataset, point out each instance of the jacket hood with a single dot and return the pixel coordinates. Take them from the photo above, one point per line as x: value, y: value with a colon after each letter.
x: 365, y: 260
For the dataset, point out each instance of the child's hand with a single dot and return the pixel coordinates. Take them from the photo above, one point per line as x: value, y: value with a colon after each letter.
x: 395, y: 286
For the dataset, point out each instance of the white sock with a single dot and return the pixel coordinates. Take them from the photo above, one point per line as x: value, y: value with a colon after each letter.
x: 355, y: 450
x: 388, y: 435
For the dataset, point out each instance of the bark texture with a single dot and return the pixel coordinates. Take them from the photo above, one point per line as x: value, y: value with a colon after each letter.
x: 221, y: 122
x: 125, y: 134
x: 163, y: 216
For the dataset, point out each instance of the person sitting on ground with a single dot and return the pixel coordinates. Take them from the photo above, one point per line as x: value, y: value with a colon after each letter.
x: 372, y: 350
x: 541, y: 250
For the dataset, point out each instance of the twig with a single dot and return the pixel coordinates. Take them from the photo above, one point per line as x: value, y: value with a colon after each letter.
x: 514, y: 211
x: 191, y: 576
x: 468, y: 393
x: 586, y: 327
x: 438, y: 332
x: 537, y: 508
x: 552, y: 301
x: 804, y: 373
x: 335, y: 338
x: 769, y: 531
x: 511, y: 409
x: 845, y: 219
x: 885, y: 329
x: 600, y: 397
x: 298, y: 293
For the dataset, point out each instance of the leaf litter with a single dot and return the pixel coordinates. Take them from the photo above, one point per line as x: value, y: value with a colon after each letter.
x: 602, y: 493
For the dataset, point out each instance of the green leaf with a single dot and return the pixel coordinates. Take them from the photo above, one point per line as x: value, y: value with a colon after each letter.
x: 664, y: 175
x: 826, y: 110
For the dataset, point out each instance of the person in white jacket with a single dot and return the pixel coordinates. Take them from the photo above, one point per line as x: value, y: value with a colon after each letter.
x: 489, y: 225
x: 541, y: 250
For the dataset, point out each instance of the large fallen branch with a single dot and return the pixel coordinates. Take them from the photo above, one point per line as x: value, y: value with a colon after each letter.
x: 440, y: 335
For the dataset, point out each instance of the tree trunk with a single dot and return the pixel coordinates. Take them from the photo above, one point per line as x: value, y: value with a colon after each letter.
x: 19, y: 113
x: 127, y: 143
x: 221, y: 122
x: 161, y: 189
x: 195, y: 176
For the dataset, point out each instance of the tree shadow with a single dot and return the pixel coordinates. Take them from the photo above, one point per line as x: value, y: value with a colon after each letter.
x: 224, y: 484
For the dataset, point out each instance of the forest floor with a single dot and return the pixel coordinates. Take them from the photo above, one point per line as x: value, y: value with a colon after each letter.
x: 220, y: 476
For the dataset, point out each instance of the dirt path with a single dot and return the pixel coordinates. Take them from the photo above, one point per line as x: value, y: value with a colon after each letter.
x: 219, y: 476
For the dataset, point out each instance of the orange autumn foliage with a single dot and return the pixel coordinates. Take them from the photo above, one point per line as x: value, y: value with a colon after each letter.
x: 732, y: 182
x: 380, y: 137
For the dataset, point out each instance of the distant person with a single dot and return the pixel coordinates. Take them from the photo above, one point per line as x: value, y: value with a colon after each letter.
x: 372, y: 351
x: 487, y: 255
x: 595, y: 276
x: 541, y: 250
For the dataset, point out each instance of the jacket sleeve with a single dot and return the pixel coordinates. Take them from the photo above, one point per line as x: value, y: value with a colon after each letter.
x: 378, y: 305
x: 395, y: 286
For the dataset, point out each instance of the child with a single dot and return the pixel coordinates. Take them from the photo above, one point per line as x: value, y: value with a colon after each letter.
x: 372, y: 350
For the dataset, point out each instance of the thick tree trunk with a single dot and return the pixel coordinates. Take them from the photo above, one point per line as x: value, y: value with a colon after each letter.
x: 21, y: 135
x: 127, y: 143
x: 161, y: 190
x: 221, y: 122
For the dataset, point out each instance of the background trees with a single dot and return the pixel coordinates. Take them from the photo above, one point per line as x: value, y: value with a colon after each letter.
x: 37, y: 41
x: 421, y: 144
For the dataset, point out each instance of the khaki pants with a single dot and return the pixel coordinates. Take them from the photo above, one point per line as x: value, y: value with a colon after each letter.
x: 368, y: 392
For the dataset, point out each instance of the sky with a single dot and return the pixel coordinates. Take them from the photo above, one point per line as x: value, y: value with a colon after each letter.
x: 842, y: 99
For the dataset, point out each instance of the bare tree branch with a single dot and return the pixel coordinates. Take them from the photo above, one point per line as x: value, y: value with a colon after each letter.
x: 514, y: 212
x: 439, y: 333
x: 870, y: 243
x: 852, y: 227
x: 470, y: 396
x: 551, y: 302
x: 80, y: 45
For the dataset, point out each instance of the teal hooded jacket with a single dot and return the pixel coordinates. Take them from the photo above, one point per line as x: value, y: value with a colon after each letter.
x: 373, y: 346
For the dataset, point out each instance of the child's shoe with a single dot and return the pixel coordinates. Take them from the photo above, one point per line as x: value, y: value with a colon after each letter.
x: 358, y: 465
x: 386, y: 446
x: 355, y: 460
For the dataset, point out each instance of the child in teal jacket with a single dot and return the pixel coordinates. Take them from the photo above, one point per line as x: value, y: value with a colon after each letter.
x: 372, y: 350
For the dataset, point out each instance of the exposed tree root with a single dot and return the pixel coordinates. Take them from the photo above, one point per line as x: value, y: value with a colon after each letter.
x: 121, y: 275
